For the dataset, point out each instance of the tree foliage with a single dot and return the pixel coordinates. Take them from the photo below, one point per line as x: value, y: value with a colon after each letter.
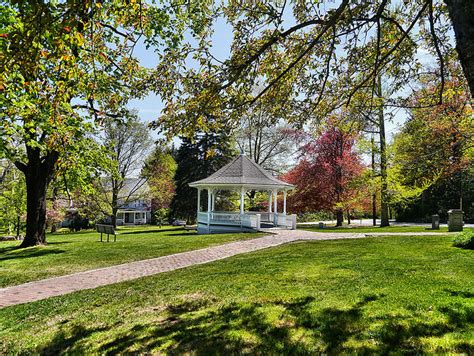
x: 12, y: 199
x: 326, y: 173
x: 126, y: 145
x: 434, y: 153
x: 159, y: 171
x: 196, y: 159
x: 314, y: 58
x: 66, y: 65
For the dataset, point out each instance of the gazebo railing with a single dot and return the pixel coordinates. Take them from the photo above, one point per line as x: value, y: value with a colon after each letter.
x: 265, y: 216
x: 286, y: 221
x: 251, y: 220
x: 230, y: 219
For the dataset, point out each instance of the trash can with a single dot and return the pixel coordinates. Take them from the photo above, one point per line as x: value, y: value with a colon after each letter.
x: 455, y: 220
x: 322, y: 225
x: 435, y: 222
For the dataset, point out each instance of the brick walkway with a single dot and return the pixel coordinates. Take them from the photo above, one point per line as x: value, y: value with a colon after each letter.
x: 51, y: 287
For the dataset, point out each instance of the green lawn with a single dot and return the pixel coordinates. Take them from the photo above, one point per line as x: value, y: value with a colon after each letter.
x: 373, y: 295
x: 72, y: 252
x: 368, y: 229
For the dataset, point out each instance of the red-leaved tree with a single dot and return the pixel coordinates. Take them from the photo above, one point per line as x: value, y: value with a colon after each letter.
x: 323, y: 176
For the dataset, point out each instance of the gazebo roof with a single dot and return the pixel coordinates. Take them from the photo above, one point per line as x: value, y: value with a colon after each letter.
x: 242, y: 172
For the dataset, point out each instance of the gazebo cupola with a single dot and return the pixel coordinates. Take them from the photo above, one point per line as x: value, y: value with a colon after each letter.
x: 242, y: 175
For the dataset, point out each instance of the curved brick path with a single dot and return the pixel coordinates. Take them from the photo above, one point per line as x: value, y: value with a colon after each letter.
x: 51, y: 287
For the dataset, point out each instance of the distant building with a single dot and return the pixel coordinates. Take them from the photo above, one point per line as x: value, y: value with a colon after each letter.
x: 134, y: 203
x: 135, y: 212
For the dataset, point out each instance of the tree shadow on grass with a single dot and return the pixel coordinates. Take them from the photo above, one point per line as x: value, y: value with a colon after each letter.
x: 460, y: 293
x: 69, y: 342
x: 199, y: 326
x: 16, y: 253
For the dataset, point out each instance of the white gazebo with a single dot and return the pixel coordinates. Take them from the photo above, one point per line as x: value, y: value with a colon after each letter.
x: 242, y: 175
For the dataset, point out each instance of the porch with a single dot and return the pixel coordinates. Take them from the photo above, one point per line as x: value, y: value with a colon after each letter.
x: 131, y: 217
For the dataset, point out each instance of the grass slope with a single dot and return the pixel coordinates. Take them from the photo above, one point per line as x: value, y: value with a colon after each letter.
x: 73, y: 252
x: 387, y: 294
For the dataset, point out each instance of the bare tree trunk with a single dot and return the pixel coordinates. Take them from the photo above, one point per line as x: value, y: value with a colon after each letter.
x: 374, y: 194
x: 114, y: 204
x: 339, y: 217
x: 461, y: 13
x: 384, y: 221
x: 348, y: 217
x: 113, y: 218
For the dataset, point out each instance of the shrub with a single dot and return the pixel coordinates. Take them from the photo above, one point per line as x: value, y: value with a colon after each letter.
x: 464, y: 240
x: 315, y: 216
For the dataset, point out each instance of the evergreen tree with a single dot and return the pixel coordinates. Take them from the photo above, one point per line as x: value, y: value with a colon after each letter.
x: 198, y: 158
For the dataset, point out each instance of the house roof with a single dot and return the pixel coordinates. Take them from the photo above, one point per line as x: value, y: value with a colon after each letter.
x: 242, y: 172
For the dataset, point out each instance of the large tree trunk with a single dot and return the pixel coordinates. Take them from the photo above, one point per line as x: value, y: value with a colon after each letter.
x: 461, y: 13
x: 35, y: 210
x: 38, y: 173
x: 383, y: 163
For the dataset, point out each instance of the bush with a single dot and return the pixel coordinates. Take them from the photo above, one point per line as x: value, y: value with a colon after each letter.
x: 159, y: 216
x: 464, y: 240
x: 315, y: 216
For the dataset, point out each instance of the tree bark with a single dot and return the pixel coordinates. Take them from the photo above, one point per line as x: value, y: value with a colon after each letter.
x: 339, y: 217
x: 114, y: 204
x: 374, y: 194
x: 36, y: 186
x: 384, y: 221
x: 113, y: 218
x: 461, y: 13
x: 38, y: 174
x: 348, y: 217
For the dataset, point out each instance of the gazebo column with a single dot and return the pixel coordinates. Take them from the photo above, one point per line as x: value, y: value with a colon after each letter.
x: 284, y: 202
x: 275, y: 207
x: 242, y: 201
x: 275, y: 202
x: 270, y: 193
x: 199, y: 201
x: 213, y: 201
x: 209, y: 202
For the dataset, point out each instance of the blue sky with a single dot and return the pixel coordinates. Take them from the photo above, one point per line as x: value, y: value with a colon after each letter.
x: 149, y: 108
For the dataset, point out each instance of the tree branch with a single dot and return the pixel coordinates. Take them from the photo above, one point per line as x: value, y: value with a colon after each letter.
x: 438, y: 50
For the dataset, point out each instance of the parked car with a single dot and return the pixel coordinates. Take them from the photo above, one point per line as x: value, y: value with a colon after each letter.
x: 178, y: 223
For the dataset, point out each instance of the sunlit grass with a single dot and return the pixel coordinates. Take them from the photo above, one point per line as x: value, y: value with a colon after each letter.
x: 372, y: 295
x: 72, y: 252
x: 369, y: 229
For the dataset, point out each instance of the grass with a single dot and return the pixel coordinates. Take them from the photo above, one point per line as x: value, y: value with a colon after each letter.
x: 369, y: 229
x: 73, y: 252
x: 372, y: 295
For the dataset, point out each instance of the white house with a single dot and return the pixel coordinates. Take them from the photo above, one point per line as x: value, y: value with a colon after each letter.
x: 135, y: 206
